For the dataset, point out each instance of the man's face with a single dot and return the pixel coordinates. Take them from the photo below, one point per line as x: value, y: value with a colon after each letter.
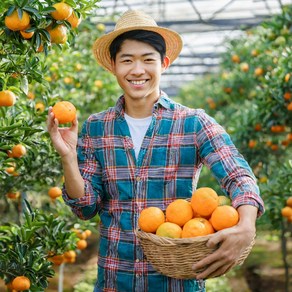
x: 138, y: 68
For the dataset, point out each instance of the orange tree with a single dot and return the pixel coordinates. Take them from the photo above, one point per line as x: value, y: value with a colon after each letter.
x: 251, y: 96
x: 32, y: 167
x: 22, y: 65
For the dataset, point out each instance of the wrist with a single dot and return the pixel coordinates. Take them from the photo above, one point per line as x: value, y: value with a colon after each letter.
x: 69, y: 157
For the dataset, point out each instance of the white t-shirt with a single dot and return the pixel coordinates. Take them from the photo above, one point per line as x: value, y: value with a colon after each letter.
x: 138, y: 129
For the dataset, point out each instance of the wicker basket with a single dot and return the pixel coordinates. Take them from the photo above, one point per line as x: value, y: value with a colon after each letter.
x: 175, y: 257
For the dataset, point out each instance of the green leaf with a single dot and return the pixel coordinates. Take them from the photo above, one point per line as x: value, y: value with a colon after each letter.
x: 20, y: 13
x: 10, y: 10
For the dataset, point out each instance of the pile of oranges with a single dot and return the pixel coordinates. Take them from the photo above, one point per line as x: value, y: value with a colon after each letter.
x: 204, y: 214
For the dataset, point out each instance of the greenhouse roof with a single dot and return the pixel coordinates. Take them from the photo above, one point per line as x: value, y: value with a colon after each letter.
x: 204, y: 25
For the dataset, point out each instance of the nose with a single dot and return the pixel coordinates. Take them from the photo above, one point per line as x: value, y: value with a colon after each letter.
x: 138, y: 68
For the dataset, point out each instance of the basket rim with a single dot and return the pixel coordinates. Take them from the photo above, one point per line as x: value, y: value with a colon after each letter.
x: 161, y: 240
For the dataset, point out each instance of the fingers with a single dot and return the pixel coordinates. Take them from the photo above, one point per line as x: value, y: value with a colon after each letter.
x: 214, y: 272
x: 51, y: 121
x: 74, y: 126
x: 215, y: 239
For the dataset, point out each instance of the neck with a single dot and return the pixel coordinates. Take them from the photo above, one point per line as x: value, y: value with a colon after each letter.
x: 140, y: 108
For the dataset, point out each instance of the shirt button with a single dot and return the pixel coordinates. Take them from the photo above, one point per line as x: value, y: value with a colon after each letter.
x: 137, y: 260
x: 138, y: 178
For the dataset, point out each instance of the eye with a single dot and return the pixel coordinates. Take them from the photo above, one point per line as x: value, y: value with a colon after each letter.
x: 149, y: 60
x: 126, y: 61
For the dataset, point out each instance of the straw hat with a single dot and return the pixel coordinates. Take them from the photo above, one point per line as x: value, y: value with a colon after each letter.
x: 132, y: 20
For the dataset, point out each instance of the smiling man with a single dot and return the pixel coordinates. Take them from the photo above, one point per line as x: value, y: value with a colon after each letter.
x: 145, y: 151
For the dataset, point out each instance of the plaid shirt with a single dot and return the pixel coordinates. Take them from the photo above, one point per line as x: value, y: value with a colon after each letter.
x: 118, y: 186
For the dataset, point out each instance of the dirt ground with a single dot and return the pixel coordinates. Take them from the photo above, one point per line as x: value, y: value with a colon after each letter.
x: 262, y: 272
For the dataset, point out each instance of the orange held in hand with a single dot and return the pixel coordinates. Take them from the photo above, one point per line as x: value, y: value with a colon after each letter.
x: 204, y: 201
x: 150, y: 219
x: 224, y: 217
x: 64, y: 111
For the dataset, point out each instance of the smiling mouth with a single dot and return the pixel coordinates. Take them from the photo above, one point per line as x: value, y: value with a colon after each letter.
x: 138, y: 82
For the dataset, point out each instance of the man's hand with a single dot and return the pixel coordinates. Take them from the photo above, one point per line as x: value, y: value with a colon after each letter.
x: 232, y: 243
x: 63, y: 139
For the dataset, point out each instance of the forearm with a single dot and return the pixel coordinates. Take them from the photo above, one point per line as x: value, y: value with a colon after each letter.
x: 74, y: 182
x: 248, y: 216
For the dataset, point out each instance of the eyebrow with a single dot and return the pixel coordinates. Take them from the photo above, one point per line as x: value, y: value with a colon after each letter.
x: 131, y: 55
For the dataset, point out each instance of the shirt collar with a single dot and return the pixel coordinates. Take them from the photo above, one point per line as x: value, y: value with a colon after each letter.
x: 163, y: 101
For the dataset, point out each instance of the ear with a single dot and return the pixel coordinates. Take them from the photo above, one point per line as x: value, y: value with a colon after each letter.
x: 165, y: 63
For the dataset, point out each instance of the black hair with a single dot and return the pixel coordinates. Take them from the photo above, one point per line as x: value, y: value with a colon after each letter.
x: 151, y: 38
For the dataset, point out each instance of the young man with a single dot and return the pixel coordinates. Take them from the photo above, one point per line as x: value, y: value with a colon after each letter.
x: 148, y: 151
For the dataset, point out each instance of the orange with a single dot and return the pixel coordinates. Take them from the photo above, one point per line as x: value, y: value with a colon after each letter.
x: 224, y: 217
x: 26, y: 35
x: 58, y: 34
x: 13, y: 195
x: 244, y: 67
x: 81, y: 244
x: 289, y: 106
x: 18, y: 151
x: 179, y: 211
x: 62, y: 12
x: 254, y: 53
x: 169, y: 229
x: 11, y: 167
x: 70, y: 256
x: 287, y: 95
x: 30, y: 95
x: 287, y: 77
x: 258, y: 127
x: 252, y: 144
x: 235, y: 59
x: 286, y: 211
x: 40, y: 107
x: 57, y: 259
x: 88, y: 232
x: 21, y: 283
x: 150, y: 219
x: 98, y: 83
x: 258, y: 71
x: 64, y: 111
x: 74, y: 20
x: 223, y: 200
x: 289, y: 202
x: 227, y: 89
x: 15, y: 23
x: 197, y: 227
x: 204, y: 201
x: 54, y: 192
x: 81, y: 234
x: 7, y: 98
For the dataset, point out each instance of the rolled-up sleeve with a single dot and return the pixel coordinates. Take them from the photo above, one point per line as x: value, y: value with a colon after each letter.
x: 229, y: 167
x: 88, y: 205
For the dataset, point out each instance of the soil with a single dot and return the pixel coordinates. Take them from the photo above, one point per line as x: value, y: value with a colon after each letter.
x: 262, y: 271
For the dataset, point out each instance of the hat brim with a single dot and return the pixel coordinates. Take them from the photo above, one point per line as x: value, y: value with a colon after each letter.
x: 101, y: 46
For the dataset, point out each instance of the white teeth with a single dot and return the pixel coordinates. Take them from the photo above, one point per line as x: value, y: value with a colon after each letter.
x: 138, y: 82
